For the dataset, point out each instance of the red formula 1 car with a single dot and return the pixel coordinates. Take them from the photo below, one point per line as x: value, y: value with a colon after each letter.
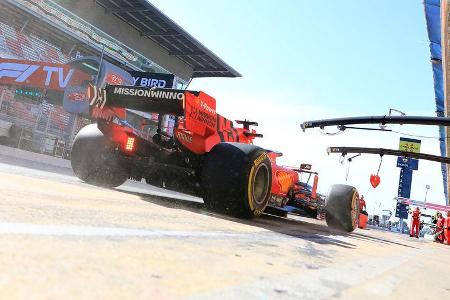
x: 204, y: 154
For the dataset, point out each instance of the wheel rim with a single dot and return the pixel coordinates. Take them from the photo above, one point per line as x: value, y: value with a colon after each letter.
x: 354, y: 211
x: 260, y: 184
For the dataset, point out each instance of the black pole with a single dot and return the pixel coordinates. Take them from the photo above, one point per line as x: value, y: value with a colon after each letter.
x: 382, y: 151
x: 418, y: 120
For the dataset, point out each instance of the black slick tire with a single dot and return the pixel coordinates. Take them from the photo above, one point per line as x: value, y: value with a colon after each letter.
x: 342, y: 207
x: 237, y: 179
x: 94, y: 160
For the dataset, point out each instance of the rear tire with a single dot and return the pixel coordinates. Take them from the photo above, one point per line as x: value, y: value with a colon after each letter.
x: 237, y: 179
x: 94, y: 160
x: 342, y: 207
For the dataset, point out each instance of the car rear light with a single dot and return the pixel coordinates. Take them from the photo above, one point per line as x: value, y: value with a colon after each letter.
x: 130, y: 145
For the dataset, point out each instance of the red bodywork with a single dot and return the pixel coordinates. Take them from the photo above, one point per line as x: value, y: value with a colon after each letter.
x: 283, y: 179
x: 202, y: 128
x: 199, y: 128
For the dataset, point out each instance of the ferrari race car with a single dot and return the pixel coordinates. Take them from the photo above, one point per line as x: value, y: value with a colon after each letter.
x: 204, y: 154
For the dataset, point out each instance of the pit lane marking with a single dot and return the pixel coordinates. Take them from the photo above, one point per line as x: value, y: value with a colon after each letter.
x: 88, y: 231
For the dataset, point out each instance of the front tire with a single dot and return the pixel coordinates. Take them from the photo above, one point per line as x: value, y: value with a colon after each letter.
x: 342, y: 207
x: 237, y: 179
x: 94, y: 160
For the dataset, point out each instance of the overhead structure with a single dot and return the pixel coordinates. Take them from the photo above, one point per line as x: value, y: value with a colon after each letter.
x: 383, y: 120
x: 133, y: 33
x: 155, y: 25
x: 144, y: 28
x: 437, y: 27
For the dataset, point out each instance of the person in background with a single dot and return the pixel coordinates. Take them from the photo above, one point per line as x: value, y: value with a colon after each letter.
x: 362, y: 203
x: 447, y: 229
x: 415, y: 222
x: 439, y: 231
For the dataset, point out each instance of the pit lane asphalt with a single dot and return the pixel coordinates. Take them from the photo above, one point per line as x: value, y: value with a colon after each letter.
x: 61, y: 238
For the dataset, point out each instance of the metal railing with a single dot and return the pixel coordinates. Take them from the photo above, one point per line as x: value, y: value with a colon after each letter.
x: 43, y: 128
x: 55, y: 14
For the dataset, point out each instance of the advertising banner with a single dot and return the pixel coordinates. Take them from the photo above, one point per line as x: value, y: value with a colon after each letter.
x: 100, y: 71
x: 407, y: 162
x: 37, y: 74
x: 401, y: 210
x: 75, y: 99
x: 158, y: 80
x: 404, y: 183
x: 407, y: 165
x: 406, y: 201
x: 410, y: 145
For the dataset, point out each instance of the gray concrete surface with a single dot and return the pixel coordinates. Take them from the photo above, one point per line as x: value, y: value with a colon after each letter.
x: 27, y: 156
x: 63, y: 239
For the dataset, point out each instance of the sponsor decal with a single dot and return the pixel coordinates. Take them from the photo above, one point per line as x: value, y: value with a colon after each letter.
x: 97, y: 97
x: 409, y: 145
x: 76, y: 96
x: 202, y: 112
x: 184, y: 137
x: 148, y: 82
x: 75, y: 99
x: 149, y: 93
x: 260, y: 158
x: 203, y: 117
x: 207, y: 108
x: 207, y: 119
x: 114, y: 79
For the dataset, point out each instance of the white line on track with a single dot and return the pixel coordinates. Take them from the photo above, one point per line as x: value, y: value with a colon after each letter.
x: 86, y: 231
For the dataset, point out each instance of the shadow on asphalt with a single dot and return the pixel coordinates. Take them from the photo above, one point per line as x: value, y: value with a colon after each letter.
x: 359, y: 236
x: 315, y: 233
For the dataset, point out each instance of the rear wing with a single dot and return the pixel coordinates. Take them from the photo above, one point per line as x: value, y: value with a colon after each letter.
x: 198, y: 109
x: 164, y: 101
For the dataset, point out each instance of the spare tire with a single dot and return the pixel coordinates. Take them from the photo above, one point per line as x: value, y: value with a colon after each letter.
x: 94, y: 159
x: 342, y: 207
x: 237, y: 179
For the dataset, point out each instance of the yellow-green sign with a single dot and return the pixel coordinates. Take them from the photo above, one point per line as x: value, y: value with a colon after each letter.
x: 409, y: 145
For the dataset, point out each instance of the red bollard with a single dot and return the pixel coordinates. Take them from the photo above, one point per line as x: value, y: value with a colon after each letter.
x: 363, y: 218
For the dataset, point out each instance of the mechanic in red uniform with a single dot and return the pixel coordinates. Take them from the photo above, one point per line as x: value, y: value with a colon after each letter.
x: 447, y: 229
x: 415, y: 222
x: 362, y: 203
x: 439, y: 236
